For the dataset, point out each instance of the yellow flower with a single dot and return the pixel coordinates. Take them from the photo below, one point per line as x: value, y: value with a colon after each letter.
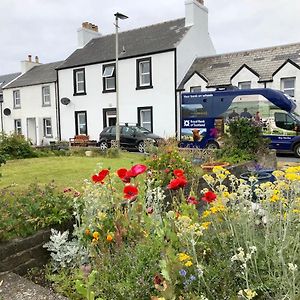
x: 109, y: 238
x: 217, y: 208
x: 183, y: 257
x: 205, y: 224
x: 206, y: 213
x: 296, y: 211
x: 102, y: 216
x: 292, y: 176
x: 226, y: 194
x: 188, y: 263
x: 96, y: 235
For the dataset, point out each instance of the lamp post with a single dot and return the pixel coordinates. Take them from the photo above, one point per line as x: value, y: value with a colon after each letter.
x: 122, y: 17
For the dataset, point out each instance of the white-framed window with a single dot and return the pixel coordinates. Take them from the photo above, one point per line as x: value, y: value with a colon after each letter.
x: 195, y: 88
x: 288, y: 86
x: 47, y: 127
x: 46, y: 95
x: 244, y: 85
x: 81, y: 122
x: 145, y: 117
x: 144, y: 73
x: 79, y: 82
x: 109, y: 78
x: 17, y: 99
x: 18, y: 126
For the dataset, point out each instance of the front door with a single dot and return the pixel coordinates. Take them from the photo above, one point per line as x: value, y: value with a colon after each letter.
x: 109, y: 117
x: 31, y: 130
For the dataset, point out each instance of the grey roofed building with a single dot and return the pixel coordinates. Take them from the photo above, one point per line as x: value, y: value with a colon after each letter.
x: 5, y: 79
x: 44, y: 73
x: 218, y: 70
x: 145, y: 40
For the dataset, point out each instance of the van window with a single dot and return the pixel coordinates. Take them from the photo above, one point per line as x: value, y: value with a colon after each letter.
x: 284, y: 121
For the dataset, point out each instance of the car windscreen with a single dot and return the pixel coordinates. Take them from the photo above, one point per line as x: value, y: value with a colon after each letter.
x: 296, y: 116
x: 139, y: 129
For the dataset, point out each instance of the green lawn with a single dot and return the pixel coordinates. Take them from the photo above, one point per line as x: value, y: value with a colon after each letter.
x: 66, y: 171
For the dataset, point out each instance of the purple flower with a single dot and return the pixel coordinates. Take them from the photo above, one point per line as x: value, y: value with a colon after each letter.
x: 192, y: 278
x: 182, y: 272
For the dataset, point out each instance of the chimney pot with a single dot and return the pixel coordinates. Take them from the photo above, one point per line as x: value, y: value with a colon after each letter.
x: 29, y: 57
x: 37, y: 59
x: 201, y: 2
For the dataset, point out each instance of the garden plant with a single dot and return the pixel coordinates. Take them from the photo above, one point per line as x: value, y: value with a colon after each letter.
x: 131, y: 241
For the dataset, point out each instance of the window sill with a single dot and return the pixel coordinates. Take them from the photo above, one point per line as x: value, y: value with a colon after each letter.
x: 144, y: 87
x: 79, y: 94
x: 17, y: 107
x: 108, y: 91
x: 46, y: 105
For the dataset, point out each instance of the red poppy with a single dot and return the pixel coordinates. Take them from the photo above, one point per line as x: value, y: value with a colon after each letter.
x: 178, y: 172
x: 137, y: 170
x: 209, y: 197
x: 124, y: 175
x: 130, y: 192
x: 177, y: 183
x: 192, y: 200
x: 100, y: 176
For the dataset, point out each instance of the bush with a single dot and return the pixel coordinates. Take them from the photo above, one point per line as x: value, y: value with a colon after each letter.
x: 15, y: 146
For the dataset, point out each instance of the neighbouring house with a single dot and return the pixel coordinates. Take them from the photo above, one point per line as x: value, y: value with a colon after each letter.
x: 274, y: 67
x: 30, y: 103
x: 152, y: 62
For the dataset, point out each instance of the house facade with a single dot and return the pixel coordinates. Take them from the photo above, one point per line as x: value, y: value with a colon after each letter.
x: 30, y: 103
x: 152, y: 62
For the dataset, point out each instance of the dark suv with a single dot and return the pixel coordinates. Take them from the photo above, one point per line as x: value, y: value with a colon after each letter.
x: 131, y: 137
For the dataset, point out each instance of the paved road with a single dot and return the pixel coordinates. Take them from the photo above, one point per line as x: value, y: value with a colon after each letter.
x: 289, y: 158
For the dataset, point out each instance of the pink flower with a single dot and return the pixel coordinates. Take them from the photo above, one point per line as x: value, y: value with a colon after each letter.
x: 192, y: 200
x: 137, y: 170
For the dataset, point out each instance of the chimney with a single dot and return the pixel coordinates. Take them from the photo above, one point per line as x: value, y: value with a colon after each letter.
x: 26, y: 65
x: 196, y: 13
x: 87, y: 32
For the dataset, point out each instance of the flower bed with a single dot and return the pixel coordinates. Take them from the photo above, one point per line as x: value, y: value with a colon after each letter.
x: 126, y: 245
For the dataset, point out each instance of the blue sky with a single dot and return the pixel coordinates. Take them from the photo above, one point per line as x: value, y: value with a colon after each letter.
x: 47, y: 28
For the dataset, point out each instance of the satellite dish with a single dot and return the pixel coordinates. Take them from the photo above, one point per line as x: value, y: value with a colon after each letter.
x: 65, y: 101
x: 7, y: 111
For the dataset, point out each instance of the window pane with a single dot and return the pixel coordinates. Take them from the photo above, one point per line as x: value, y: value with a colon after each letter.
x: 145, y: 79
x: 145, y: 67
x: 244, y: 85
x: 146, y: 115
x: 108, y: 71
x: 196, y: 89
x: 110, y: 83
x: 289, y: 83
x: 79, y: 76
x: 80, y: 86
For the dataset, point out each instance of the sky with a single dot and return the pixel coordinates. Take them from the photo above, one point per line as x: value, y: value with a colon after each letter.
x: 48, y: 28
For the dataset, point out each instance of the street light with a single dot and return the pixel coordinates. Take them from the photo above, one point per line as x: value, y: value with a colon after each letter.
x: 122, y: 17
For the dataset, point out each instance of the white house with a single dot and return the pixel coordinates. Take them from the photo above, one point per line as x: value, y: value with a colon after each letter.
x: 274, y: 67
x: 30, y: 103
x: 152, y: 62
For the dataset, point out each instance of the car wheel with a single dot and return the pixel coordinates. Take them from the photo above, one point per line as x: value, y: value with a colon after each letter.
x: 141, y: 147
x: 103, y: 146
x: 212, y: 145
x: 297, y: 150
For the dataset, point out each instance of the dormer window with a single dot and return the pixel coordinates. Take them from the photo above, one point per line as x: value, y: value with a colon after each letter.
x: 17, y: 99
x: 244, y: 85
x: 144, y: 73
x: 79, y: 82
x: 109, y: 78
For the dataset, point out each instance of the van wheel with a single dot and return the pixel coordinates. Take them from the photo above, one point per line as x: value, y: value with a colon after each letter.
x: 103, y: 146
x: 297, y: 150
x: 212, y: 145
x: 141, y: 147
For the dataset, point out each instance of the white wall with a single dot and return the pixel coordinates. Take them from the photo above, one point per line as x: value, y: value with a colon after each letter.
x: 246, y: 75
x: 195, y: 80
x: 31, y: 107
x: 161, y: 97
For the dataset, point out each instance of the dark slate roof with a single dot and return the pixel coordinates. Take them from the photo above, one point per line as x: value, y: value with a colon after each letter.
x: 5, y: 79
x: 44, y: 73
x: 265, y: 62
x: 140, y: 41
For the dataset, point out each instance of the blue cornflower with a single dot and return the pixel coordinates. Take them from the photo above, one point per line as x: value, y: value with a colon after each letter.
x: 182, y: 272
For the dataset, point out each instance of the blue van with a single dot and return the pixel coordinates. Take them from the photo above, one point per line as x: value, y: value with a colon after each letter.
x: 205, y: 115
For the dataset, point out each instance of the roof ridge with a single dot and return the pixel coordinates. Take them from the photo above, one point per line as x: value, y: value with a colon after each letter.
x: 250, y: 50
x: 142, y: 27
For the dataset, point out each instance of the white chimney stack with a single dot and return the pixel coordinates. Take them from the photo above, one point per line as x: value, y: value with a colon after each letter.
x: 196, y: 13
x: 87, y: 32
x: 28, y: 64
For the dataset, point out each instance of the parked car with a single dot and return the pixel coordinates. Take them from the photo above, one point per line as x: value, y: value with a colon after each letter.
x: 131, y: 137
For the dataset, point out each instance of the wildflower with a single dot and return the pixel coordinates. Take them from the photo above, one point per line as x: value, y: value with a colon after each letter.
x: 188, y: 263
x: 248, y: 293
x: 109, y: 238
x: 76, y: 194
x: 98, y: 178
x: 292, y: 267
x: 130, y: 192
x: 150, y: 210
x: 86, y: 270
x: 226, y: 194
x: 67, y: 190
x: 192, y: 200
x: 205, y: 225
x: 178, y: 173
x: 192, y: 278
x: 87, y: 232
x: 179, y: 182
x: 137, y: 170
x: 124, y: 175
x: 102, y: 216
x: 182, y: 272
x: 206, y: 213
x: 183, y: 257
x: 167, y: 170
x: 209, y: 197
x: 96, y: 235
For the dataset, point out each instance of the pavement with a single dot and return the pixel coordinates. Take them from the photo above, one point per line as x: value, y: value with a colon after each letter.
x: 285, y: 160
x: 15, y: 287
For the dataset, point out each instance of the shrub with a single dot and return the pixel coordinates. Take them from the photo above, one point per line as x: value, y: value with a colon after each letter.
x: 15, y: 146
